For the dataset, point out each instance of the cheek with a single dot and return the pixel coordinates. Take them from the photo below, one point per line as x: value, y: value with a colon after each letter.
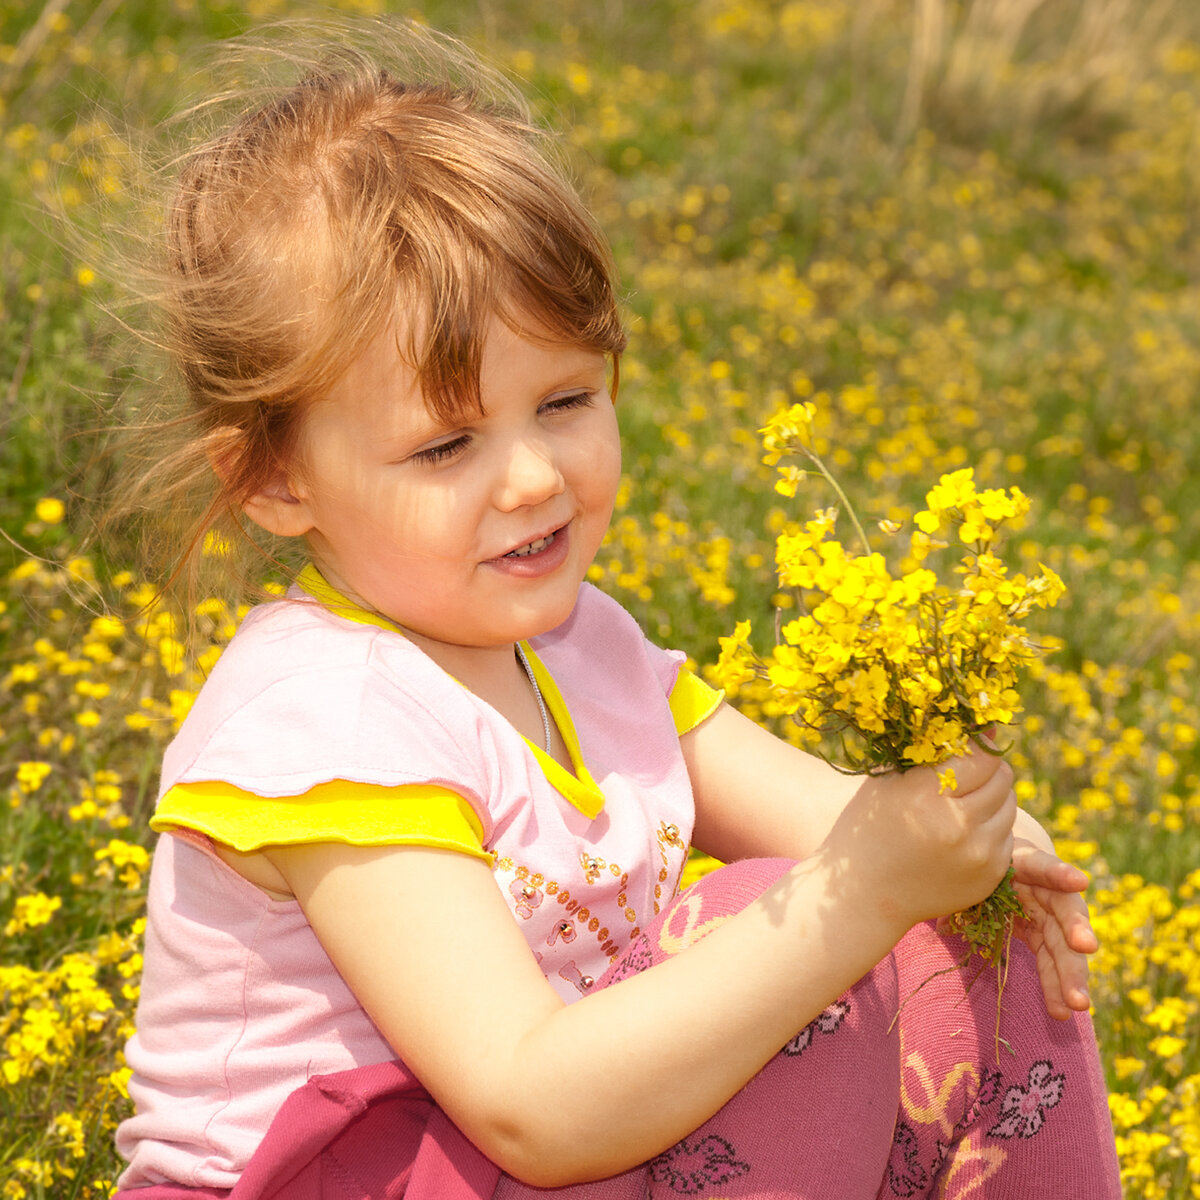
x: 594, y: 477
x: 614, y: 470
x: 602, y: 458
x: 612, y: 474
x: 372, y: 496
x: 421, y: 523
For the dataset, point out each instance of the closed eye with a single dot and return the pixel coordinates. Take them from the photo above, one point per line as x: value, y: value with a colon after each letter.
x: 566, y: 403
x: 442, y: 451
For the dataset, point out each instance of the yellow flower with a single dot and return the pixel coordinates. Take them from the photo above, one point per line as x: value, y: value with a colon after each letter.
x: 1168, y: 1045
x: 732, y: 667
x: 127, y: 860
x: 788, y: 430
x: 1047, y: 587
x: 1170, y: 1013
x: 49, y: 510
x: 107, y: 628
x: 71, y: 1129
x: 789, y: 480
x: 1126, y: 1065
x: 31, y: 911
x: 216, y: 545
x: 902, y: 670
x: 952, y: 491
x: 31, y: 775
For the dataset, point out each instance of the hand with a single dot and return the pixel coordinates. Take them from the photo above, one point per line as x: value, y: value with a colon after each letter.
x: 927, y: 851
x: 1057, y: 928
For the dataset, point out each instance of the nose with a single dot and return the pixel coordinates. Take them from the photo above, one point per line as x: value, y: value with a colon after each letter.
x: 530, y: 475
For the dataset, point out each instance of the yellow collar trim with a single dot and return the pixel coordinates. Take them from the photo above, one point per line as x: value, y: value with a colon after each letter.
x: 316, y: 585
x: 580, y: 790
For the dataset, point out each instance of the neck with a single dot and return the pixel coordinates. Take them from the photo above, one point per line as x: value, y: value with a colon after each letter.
x: 493, y: 673
x: 479, y: 668
x: 499, y: 676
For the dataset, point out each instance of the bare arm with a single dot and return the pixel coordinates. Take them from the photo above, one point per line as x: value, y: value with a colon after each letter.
x: 427, y: 944
x: 756, y: 795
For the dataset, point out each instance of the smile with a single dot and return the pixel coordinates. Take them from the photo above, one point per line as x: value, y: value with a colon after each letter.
x: 532, y: 547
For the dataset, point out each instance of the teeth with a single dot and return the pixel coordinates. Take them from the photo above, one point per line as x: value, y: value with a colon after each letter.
x: 531, y: 548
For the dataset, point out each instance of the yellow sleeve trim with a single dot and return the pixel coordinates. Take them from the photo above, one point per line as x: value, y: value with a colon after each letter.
x: 358, y: 814
x: 692, y: 701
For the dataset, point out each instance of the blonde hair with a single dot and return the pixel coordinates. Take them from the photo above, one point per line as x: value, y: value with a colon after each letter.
x: 354, y: 194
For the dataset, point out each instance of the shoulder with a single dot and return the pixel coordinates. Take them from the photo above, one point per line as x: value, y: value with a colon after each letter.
x: 288, y: 623
x: 290, y: 646
x: 596, y: 619
x: 601, y: 639
x: 300, y: 694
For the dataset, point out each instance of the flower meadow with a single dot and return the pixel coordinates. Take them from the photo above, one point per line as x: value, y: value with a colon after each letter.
x: 965, y: 233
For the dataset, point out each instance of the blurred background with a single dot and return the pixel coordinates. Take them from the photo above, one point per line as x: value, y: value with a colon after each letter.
x: 967, y: 231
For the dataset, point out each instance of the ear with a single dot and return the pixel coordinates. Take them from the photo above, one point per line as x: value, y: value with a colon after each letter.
x: 278, y: 510
x: 275, y: 508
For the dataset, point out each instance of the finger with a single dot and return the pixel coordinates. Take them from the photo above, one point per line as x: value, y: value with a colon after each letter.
x: 1048, y: 937
x: 1038, y: 867
x: 991, y: 839
x: 1052, y: 990
x: 1047, y: 972
x: 975, y: 770
x: 1070, y: 967
x: 1076, y: 924
x: 1068, y: 909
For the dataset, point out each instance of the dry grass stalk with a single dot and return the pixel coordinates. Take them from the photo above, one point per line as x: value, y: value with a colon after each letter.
x: 1024, y: 65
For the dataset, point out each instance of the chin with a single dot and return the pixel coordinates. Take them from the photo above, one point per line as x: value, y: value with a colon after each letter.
x: 551, y: 617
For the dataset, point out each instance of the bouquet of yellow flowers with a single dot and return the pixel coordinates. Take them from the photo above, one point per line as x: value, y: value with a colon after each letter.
x: 899, y: 668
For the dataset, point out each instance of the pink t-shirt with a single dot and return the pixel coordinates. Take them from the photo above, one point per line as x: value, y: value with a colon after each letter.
x: 239, y: 1003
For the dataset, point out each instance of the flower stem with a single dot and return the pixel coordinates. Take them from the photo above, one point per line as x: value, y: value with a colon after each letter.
x: 847, y: 507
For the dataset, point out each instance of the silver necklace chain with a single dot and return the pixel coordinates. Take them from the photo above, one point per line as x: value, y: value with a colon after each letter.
x: 537, y: 692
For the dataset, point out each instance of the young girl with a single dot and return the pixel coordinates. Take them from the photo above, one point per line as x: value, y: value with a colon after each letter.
x: 415, y: 924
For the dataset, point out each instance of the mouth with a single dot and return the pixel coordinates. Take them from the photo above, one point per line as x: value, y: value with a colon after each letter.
x: 534, y: 547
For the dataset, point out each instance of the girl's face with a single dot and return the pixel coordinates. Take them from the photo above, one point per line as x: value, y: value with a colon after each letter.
x: 473, y: 534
